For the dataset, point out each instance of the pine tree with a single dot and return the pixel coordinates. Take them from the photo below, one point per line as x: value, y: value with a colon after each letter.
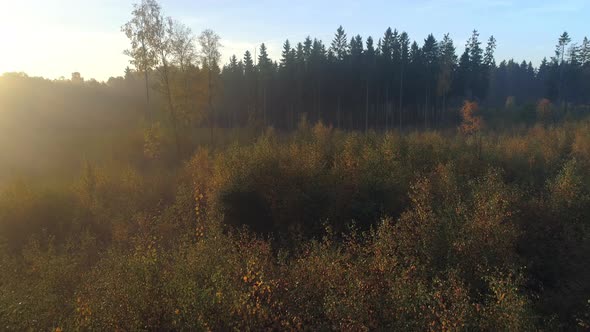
x: 560, y: 48
x: 476, y: 76
x: 370, y: 62
x: 385, y: 75
x: 489, y: 66
x: 404, y: 41
x: 395, y: 47
x: 299, y: 76
x: 370, y: 52
x: 462, y: 85
x: 265, y: 71
x: 299, y: 54
x: 415, y: 54
x: 573, y: 55
x: 288, y: 55
x: 356, y: 47
x: 232, y: 75
x: 488, y: 59
x: 430, y: 50
x: 248, y: 63
x: 430, y: 59
x: 351, y: 76
x: 317, y: 61
x: 387, y: 45
x: 264, y: 62
x: 340, y: 44
x: 233, y: 63
x: 585, y: 52
x: 448, y: 62
x: 475, y: 51
x: 287, y: 70
x: 250, y: 82
x: 548, y: 83
x: 307, y: 48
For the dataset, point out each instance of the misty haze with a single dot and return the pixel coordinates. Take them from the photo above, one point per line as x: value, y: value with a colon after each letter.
x: 168, y: 165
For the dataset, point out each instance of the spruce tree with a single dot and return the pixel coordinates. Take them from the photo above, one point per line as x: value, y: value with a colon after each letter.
x: 448, y: 62
x: 307, y: 48
x: 265, y: 71
x: 356, y: 48
x: 340, y: 44
x: 475, y: 51
x: 560, y: 48
x: 476, y: 74
x: 264, y: 62
x: 488, y: 58
x: 233, y: 63
x: 370, y: 52
x: 249, y: 83
x: 248, y: 62
x: 404, y: 42
x: 463, y: 88
x: 573, y: 55
x: 288, y: 55
x: 489, y: 66
x: 585, y: 52
x: 430, y: 60
x: 387, y: 45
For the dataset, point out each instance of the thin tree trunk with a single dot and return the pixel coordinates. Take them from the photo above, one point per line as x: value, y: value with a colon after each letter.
x: 210, y: 104
x: 264, y: 107
x: 292, y: 118
x: 562, y: 98
x: 401, y: 97
x: 172, y: 110
x: 147, y: 95
x: 387, y: 108
x: 367, y: 110
x: 444, y: 107
x: 147, y: 88
x: 426, y: 110
x: 338, y: 115
x: 320, y: 102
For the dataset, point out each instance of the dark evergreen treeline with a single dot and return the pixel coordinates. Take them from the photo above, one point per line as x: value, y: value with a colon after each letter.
x: 357, y: 83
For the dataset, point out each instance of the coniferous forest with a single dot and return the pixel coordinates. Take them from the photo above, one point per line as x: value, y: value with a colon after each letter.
x: 393, y: 82
x: 361, y: 183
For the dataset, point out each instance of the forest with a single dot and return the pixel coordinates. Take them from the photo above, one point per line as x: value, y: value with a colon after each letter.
x: 354, y: 185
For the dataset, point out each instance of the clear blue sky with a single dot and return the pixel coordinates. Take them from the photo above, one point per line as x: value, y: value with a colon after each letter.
x: 52, y: 38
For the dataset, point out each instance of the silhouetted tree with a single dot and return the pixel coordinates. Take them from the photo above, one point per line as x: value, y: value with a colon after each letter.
x: 395, y: 80
x: 141, y: 31
x: 210, y: 55
x: 448, y: 64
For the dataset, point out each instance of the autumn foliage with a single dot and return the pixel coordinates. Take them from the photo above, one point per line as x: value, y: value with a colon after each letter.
x: 317, y: 229
x: 472, y: 123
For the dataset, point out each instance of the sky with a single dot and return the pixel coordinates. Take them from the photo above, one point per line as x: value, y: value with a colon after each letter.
x: 53, y: 38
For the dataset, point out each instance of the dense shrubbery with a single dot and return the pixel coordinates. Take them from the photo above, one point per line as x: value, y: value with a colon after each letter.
x: 319, y: 229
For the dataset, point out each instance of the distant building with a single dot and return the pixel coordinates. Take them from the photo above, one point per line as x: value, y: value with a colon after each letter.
x: 77, y: 78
